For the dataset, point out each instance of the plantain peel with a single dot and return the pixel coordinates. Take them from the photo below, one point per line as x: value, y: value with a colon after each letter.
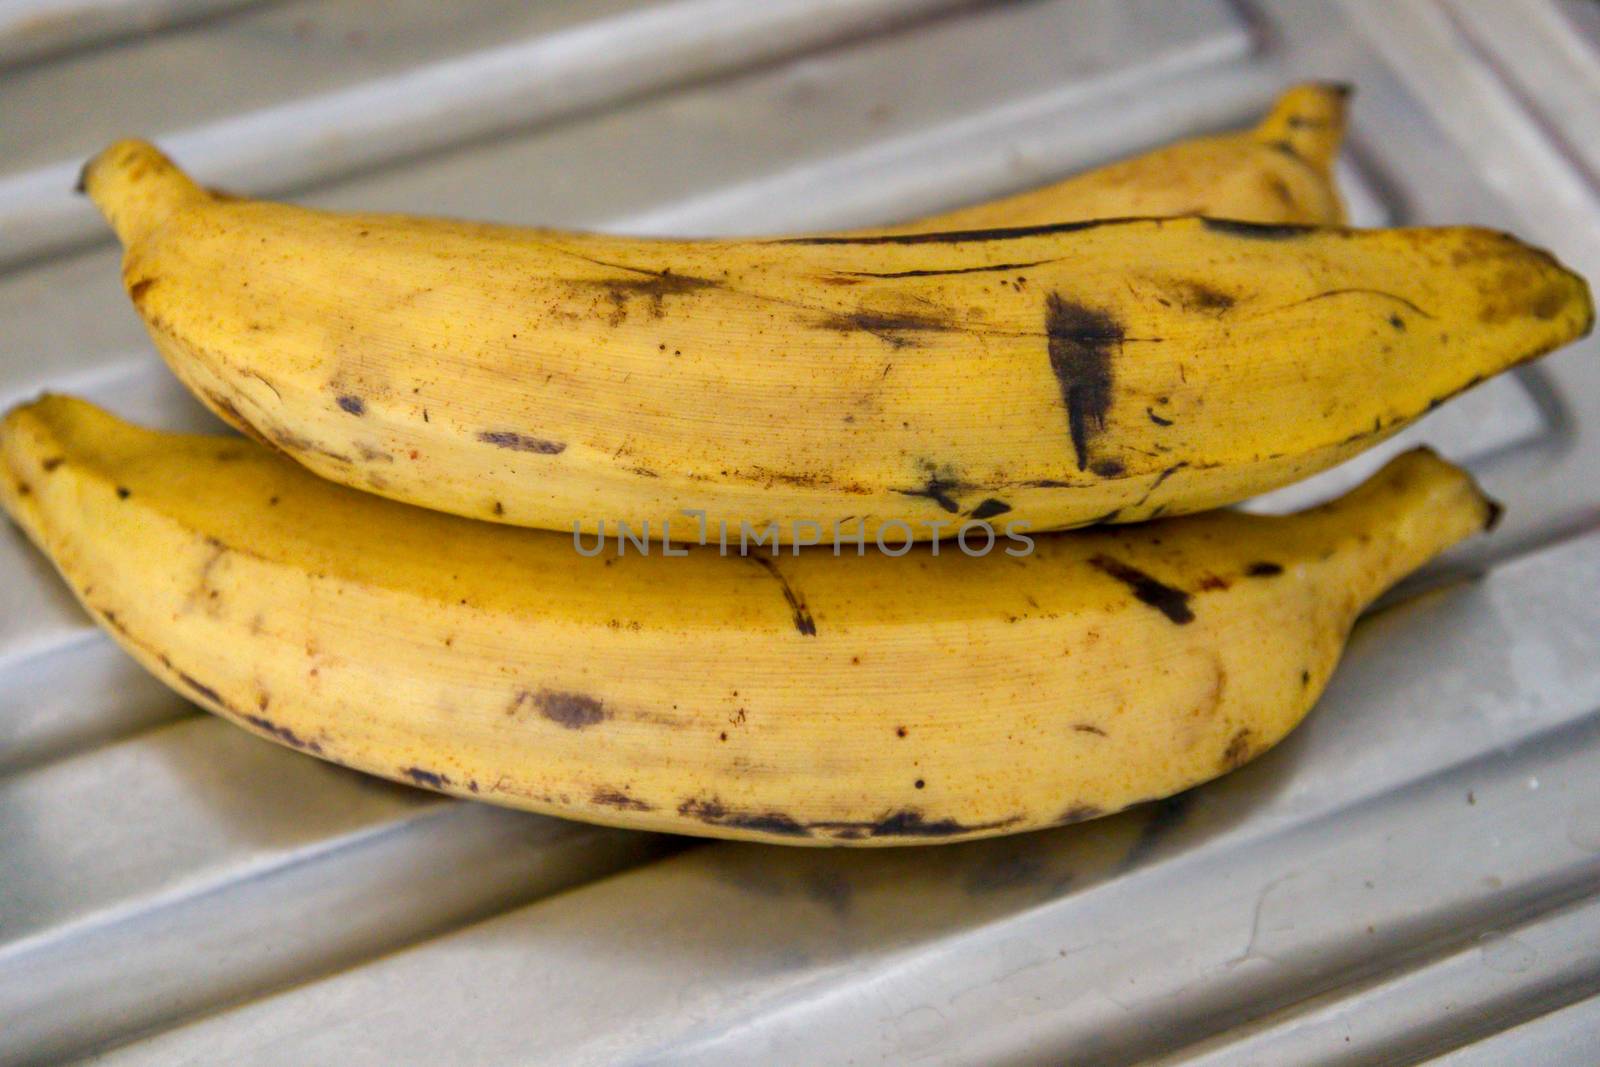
x: 811, y: 699
x: 1055, y: 375
x: 1279, y: 171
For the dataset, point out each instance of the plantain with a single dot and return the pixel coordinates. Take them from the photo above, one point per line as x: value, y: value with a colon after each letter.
x: 805, y: 698
x: 1279, y: 171
x: 1057, y: 375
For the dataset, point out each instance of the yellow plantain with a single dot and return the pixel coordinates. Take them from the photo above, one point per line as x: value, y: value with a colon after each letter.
x: 1056, y: 375
x: 1280, y: 171
x: 810, y: 699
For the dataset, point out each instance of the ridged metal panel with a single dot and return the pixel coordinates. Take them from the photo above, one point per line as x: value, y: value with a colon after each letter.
x: 1414, y: 874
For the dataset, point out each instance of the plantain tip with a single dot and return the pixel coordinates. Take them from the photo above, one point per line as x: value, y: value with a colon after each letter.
x: 136, y: 187
x: 1493, y: 512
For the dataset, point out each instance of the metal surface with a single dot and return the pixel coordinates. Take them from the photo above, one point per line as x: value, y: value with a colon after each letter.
x: 1414, y: 874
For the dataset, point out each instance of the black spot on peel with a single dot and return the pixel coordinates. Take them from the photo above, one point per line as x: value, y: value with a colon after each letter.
x: 1397, y: 322
x: 989, y: 509
x: 353, y: 405
x: 1264, y: 569
x: 427, y: 778
x: 137, y: 291
x: 1259, y: 231
x: 1108, y: 468
x: 803, y: 622
x: 123, y: 492
x: 1080, y: 341
x: 616, y: 798
x: 1171, y: 602
x: 571, y: 710
x: 937, y: 488
x: 520, y: 442
x: 282, y: 733
x: 1157, y: 419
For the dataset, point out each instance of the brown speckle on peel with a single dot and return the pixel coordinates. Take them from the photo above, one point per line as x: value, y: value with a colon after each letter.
x: 138, y: 289
x: 51, y: 463
x: 1212, y: 583
x: 123, y: 492
x: 1171, y: 602
x: 900, y: 731
x: 499, y: 508
x: 571, y: 710
x: 1238, y: 750
x: 1107, y: 468
x: 1088, y: 728
x: 352, y: 404
x: 616, y: 798
x: 1080, y: 342
x: 521, y: 442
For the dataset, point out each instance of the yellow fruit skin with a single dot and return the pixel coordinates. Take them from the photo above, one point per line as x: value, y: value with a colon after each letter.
x: 1280, y: 171
x: 806, y: 699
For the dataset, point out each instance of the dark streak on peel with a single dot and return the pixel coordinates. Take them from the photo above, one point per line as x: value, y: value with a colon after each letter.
x: 952, y: 237
x: 714, y: 813
x: 909, y: 822
x: 519, y: 442
x: 997, y: 268
x: 1080, y: 343
x: 1264, y: 569
x: 282, y: 733
x: 1171, y: 602
x: 895, y: 330
x: 202, y: 689
x: 424, y: 777
x: 1258, y: 231
x: 803, y: 622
